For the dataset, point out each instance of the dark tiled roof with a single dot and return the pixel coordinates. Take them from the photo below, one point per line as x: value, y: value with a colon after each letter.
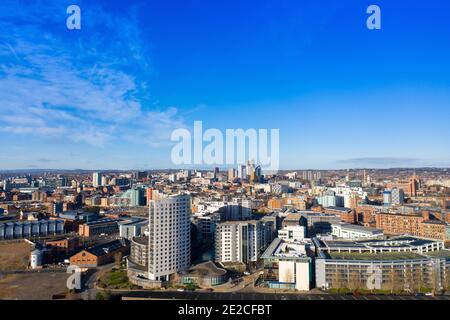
x: 102, y: 249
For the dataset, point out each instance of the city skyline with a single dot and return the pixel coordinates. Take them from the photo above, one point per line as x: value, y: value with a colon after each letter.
x: 109, y: 95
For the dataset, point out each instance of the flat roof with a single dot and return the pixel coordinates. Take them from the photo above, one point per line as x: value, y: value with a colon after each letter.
x: 374, y: 256
x: 293, y: 217
x: 356, y: 227
x: 207, y: 268
x: 103, y: 221
x: 343, y: 209
x: 375, y: 244
x: 280, y: 249
x: 444, y: 253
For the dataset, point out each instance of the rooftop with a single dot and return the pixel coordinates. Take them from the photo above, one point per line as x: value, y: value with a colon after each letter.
x: 374, y: 256
x: 343, y: 209
x: 103, y: 221
x: 285, y: 250
x: 207, y: 268
x: 293, y: 217
x: 105, y: 248
x: 355, y: 227
x: 444, y: 253
x: 377, y: 243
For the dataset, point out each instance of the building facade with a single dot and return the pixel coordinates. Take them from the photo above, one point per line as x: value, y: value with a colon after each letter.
x: 287, y: 266
x: 240, y: 241
x: 351, y: 231
x: 403, y: 264
x: 169, y: 236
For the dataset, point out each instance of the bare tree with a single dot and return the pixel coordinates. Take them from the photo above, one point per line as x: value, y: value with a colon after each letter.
x: 118, y: 258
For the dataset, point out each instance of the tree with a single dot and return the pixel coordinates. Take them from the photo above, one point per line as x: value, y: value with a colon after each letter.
x: 354, y: 281
x: 118, y: 258
x: 396, y: 280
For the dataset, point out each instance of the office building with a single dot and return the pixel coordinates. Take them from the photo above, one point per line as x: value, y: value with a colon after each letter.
x: 413, y: 186
x: 137, y: 197
x: 98, y: 227
x: 231, y: 174
x: 205, y: 226
x: 134, y: 227
x: 397, y: 196
x: 387, y: 197
x: 330, y: 201
x: 344, y: 230
x: 403, y: 264
x: 96, y: 179
x: 292, y: 233
x: 287, y: 266
x: 318, y: 223
x: 240, y: 241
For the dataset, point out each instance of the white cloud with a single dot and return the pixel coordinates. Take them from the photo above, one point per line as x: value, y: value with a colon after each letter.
x: 87, y: 91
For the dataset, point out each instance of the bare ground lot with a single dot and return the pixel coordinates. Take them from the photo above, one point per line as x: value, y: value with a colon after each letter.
x: 32, y: 286
x: 14, y: 256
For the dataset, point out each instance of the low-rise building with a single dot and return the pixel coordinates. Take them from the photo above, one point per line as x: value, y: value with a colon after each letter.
x: 287, y: 265
x: 205, y: 274
x: 292, y: 233
x: 64, y: 245
x: 95, y: 228
x: 346, y: 214
x: 403, y: 264
x: 318, y: 223
x: 101, y: 254
x: 350, y: 231
x: 417, y: 225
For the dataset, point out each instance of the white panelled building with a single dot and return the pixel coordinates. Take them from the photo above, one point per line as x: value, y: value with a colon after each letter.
x: 292, y: 233
x: 240, y: 241
x: 169, y: 236
x: 287, y: 265
x: 350, y: 231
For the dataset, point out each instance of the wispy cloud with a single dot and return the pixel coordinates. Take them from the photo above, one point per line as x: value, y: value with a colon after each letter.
x: 89, y: 87
x: 45, y: 160
x: 382, y: 162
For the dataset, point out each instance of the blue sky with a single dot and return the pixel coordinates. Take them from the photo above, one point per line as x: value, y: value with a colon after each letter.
x: 110, y: 94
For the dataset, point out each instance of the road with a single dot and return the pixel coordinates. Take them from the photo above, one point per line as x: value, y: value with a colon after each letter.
x: 263, y: 296
x: 89, y: 283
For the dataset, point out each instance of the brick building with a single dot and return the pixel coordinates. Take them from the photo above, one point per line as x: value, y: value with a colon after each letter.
x: 393, y: 223
x: 63, y: 245
x: 416, y: 225
x: 95, y: 228
x: 100, y: 254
